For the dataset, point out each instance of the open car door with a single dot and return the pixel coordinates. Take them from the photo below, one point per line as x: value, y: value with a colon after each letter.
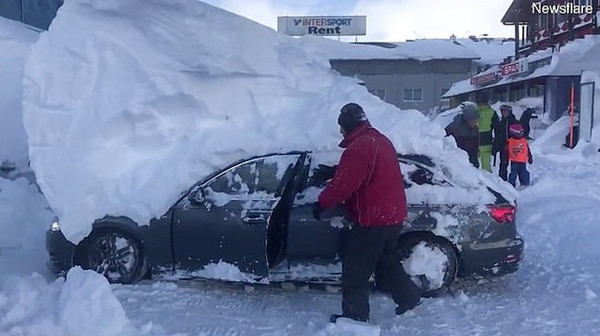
x: 225, y: 219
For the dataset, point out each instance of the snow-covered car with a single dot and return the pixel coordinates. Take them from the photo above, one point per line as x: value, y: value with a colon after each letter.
x: 256, y: 217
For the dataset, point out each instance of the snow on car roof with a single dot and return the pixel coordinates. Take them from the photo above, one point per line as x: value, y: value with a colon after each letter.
x: 151, y: 98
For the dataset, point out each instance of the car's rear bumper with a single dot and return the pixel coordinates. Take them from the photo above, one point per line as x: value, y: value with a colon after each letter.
x: 60, y: 252
x: 492, y: 258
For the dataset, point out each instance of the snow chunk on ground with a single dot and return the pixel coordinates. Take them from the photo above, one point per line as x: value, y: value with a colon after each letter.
x: 349, y: 327
x: 15, y: 41
x: 24, y: 214
x: 150, y: 97
x: 82, y: 305
x: 223, y: 271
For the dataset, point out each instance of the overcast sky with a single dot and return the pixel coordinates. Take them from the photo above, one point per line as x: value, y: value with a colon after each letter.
x: 389, y: 20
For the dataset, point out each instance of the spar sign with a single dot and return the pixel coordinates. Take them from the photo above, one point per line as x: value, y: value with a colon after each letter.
x: 322, y: 25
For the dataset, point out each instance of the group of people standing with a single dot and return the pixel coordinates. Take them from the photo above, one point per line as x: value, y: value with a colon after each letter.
x: 479, y: 131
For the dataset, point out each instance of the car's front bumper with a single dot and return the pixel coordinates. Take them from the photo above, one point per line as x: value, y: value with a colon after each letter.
x: 60, y: 252
x: 492, y: 258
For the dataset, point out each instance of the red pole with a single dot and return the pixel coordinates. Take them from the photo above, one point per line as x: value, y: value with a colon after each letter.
x: 572, y: 108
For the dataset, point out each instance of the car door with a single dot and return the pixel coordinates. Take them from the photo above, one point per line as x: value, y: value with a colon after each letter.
x: 313, y: 249
x: 225, y: 219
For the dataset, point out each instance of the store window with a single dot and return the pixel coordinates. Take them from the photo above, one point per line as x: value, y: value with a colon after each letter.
x: 379, y: 93
x: 536, y: 90
x: 413, y: 95
x: 517, y: 93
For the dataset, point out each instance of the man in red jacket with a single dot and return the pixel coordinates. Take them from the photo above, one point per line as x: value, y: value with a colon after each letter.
x: 369, y: 184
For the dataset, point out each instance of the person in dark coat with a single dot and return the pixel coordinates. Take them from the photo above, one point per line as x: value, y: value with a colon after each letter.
x: 525, y: 119
x: 465, y: 132
x: 368, y: 184
x: 501, y: 126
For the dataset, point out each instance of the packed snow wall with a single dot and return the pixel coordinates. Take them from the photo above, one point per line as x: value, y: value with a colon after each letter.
x: 129, y: 102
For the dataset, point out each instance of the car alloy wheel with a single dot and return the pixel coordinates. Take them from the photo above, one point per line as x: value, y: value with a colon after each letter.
x: 431, y: 262
x: 115, y: 255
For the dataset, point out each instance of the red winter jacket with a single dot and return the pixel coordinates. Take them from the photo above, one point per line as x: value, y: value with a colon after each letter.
x: 368, y: 180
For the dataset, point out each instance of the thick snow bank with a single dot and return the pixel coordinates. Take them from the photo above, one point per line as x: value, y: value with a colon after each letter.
x: 24, y: 214
x: 82, y: 305
x: 15, y: 40
x: 150, y: 97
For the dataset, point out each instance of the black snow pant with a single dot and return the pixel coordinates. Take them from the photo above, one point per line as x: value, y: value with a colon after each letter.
x: 368, y: 250
x: 503, y: 171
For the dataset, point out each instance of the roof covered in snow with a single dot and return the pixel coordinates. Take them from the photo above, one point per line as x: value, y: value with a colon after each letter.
x: 570, y: 60
x: 487, y: 51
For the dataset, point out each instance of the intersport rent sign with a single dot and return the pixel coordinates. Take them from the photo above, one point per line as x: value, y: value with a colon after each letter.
x: 322, y: 25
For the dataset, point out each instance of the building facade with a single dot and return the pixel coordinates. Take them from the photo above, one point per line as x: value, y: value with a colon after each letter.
x: 415, y: 74
x: 551, y: 52
x: 536, y: 30
x: 408, y: 84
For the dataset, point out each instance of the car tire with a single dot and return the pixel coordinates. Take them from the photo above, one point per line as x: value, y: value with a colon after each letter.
x: 116, y: 255
x: 439, y: 248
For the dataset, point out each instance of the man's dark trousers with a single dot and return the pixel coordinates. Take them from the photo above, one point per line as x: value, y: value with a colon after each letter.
x: 503, y: 171
x: 370, y: 249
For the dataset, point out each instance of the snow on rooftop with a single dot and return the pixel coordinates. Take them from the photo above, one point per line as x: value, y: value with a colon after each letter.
x: 570, y: 60
x: 490, y: 51
x: 420, y: 49
x: 126, y: 114
x: 485, y: 51
x: 15, y: 39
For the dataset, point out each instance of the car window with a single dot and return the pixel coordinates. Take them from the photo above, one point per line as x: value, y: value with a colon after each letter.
x: 419, y: 175
x: 261, y: 175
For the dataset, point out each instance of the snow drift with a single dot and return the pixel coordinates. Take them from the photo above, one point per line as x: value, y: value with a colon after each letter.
x: 129, y: 102
x: 15, y: 41
x: 24, y: 214
x: 82, y: 305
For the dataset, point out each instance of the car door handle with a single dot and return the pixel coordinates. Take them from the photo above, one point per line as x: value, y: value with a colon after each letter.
x: 254, y: 218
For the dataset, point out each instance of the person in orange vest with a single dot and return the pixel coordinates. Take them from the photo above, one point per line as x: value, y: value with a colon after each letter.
x: 519, y: 155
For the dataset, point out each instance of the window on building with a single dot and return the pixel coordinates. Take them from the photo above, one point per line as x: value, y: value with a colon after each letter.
x: 536, y: 90
x: 379, y: 93
x: 517, y: 93
x: 413, y: 95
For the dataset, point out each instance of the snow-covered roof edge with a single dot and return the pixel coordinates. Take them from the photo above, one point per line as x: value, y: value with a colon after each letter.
x: 570, y: 60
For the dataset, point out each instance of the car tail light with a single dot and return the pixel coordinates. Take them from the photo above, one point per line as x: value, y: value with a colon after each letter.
x: 503, y: 214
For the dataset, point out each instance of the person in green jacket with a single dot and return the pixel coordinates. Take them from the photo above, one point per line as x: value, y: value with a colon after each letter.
x: 486, y: 114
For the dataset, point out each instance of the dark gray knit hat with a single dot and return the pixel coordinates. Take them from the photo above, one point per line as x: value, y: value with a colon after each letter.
x: 351, y: 115
x: 469, y: 111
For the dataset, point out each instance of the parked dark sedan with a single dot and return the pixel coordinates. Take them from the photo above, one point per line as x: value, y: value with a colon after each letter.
x: 256, y: 215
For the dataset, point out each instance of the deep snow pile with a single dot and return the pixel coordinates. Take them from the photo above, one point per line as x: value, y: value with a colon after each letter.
x: 15, y: 40
x: 82, y: 305
x: 150, y: 97
x: 24, y: 214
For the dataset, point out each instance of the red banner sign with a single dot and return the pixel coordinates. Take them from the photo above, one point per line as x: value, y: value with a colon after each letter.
x: 484, y: 79
x: 514, y: 68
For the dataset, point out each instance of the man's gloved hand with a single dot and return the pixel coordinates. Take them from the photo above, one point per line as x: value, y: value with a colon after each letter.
x: 323, y: 173
x: 530, y: 160
x: 316, y: 209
